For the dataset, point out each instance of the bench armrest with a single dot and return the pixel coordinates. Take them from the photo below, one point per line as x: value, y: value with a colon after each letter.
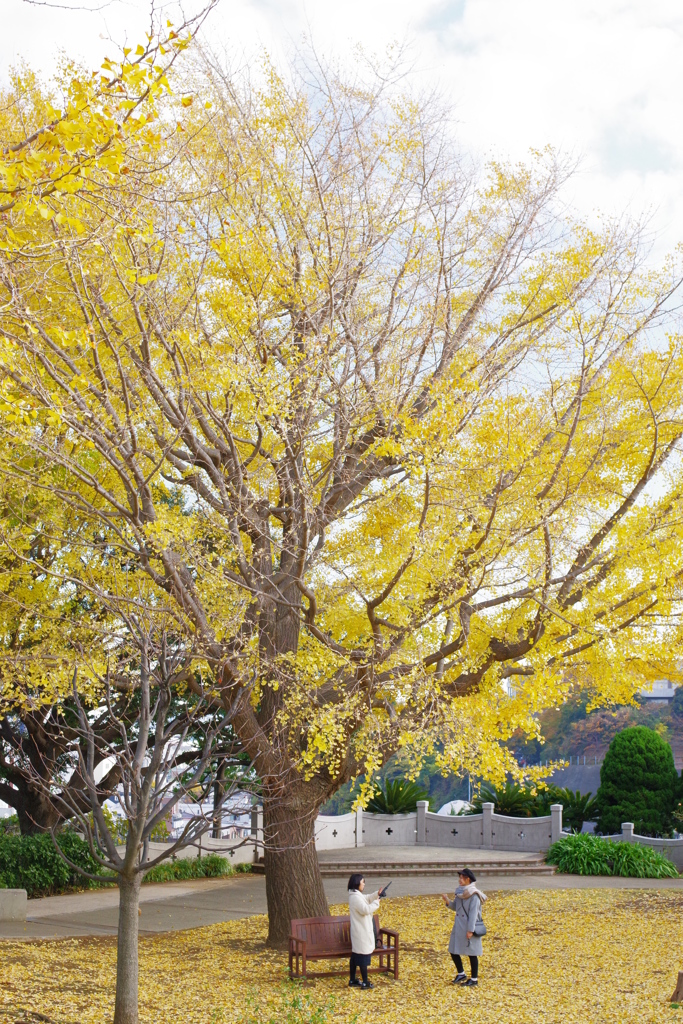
x: 389, y: 931
x: 296, y: 944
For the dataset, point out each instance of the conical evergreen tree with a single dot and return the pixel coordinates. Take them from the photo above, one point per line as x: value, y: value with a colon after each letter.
x: 638, y: 783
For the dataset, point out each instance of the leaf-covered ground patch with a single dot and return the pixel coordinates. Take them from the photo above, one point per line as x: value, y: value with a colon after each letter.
x: 559, y: 957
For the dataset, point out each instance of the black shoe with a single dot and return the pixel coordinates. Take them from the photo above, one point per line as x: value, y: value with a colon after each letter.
x: 367, y: 984
x: 460, y: 979
x: 355, y: 983
x: 471, y: 982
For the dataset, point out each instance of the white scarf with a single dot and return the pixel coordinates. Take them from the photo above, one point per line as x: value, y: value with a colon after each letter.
x: 465, y: 891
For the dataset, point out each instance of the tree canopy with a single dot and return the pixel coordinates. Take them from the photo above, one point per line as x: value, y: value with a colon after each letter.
x: 383, y: 432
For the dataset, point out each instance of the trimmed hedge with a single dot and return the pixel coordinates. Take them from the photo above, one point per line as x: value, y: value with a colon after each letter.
x: 211, y: 866
x: 32, y: 863
x: 592, y: 855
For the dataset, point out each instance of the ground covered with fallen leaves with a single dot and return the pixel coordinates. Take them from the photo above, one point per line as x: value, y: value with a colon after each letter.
x: 607, y: 956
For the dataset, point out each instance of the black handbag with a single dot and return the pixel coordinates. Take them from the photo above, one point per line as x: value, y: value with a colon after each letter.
x: 480, y: 928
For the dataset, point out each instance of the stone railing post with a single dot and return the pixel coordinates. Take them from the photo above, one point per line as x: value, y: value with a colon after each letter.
x: 359, y: 827
x: 627, y: 830
x: 421, y: 836
x: 555, y: 822
x: 487, y: 826
x: 257, y: 830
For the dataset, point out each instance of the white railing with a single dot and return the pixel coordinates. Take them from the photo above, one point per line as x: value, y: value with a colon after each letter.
x: 485, y: 831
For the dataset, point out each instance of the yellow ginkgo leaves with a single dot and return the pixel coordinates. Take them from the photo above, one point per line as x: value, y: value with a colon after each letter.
x: 567, y: 957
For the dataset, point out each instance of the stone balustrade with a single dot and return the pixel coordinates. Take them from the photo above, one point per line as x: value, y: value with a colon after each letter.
x: 485, y: 831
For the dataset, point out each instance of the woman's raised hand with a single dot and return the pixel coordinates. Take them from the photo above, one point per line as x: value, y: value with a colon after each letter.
x: 445, y: 898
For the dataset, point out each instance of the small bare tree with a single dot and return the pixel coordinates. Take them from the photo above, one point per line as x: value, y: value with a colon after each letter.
x: 171, y: 733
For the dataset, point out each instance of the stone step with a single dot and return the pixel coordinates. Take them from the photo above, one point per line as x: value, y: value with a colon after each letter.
x: 534, y: 865
x: 437, y: 870
x: 468, y: 857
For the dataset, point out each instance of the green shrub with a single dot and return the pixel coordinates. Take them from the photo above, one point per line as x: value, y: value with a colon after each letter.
x: 32, y: 863
x: 511, y: 799
x: 634, y: 861
x: 577, y: 807
x: 638, y: 783
x: 678, y: 816
x: 677, y: 702
x: 211, y: 866
x: 581, y: 855
x: 118, y: 828
x: 593, y: 855
x: 293, y: 1008
x: 524, y: 802
x: 396, y: 796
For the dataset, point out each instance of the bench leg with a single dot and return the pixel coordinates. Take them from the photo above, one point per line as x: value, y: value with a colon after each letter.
x: 294, y: 964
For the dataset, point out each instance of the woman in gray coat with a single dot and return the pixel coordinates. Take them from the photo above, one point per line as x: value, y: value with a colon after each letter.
x: 463, y: 942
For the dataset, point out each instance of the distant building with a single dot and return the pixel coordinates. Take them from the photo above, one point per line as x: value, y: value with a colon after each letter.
x: 235, y: 816
x: 660, y: 690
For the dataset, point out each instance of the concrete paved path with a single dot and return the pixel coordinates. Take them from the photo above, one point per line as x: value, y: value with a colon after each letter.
x: 174, y: 906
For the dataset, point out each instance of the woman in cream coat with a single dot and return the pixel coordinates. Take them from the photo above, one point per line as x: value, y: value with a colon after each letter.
x: 361, y: 909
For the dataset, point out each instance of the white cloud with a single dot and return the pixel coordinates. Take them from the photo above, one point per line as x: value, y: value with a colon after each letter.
x: 600, y: 81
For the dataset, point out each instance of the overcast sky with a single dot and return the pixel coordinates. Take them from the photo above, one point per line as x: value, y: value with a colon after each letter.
x: 599, y: 79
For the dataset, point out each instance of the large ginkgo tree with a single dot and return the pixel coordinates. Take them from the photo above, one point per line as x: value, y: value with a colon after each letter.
x: 389, y: 432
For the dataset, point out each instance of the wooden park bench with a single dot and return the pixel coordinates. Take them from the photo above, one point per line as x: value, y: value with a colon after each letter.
x: 329, y: 938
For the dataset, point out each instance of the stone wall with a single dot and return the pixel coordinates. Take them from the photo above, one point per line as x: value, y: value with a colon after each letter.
x: 485, y: 831
x: 389, y: 829
x: 489, y: 831
x: 334, y: 832
x: 464, y: 830
x: 585, y: 778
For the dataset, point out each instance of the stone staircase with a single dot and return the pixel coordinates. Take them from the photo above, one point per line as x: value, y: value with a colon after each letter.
x: 533, y: 864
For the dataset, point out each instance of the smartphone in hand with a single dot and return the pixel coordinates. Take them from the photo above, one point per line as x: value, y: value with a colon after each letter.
x: 383, y: 892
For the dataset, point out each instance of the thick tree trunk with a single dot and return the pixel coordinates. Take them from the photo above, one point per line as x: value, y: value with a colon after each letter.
x: 126, y: 1008
x: 35, y: 812
x: 294, y: 885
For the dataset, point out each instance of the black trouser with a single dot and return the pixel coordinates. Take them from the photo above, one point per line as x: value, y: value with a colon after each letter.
x: 474, y: 965
x: 361, y: 960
